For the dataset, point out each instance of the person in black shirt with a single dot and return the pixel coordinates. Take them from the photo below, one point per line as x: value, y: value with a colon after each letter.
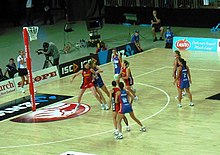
x: 11, y: 68
x: 156, y: 26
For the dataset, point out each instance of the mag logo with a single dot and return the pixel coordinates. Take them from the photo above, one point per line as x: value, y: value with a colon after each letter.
x: 182, y: 44
x: 56, y: 112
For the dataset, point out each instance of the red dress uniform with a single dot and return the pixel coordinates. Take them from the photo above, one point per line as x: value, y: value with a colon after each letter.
x: 87, y: 81
x: 115, y: 106
x: 130, y: 80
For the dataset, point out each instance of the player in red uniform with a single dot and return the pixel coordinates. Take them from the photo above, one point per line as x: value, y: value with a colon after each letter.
x: 127, y: 77
x: 115, y: 108
x: 88, y: 82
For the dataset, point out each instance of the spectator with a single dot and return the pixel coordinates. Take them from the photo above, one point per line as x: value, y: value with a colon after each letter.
x: 156, y: 26
x: 29, y: 11
x: 136, y: 40
x: 101, y: 47
x: 47, y: 4
x: 2, y: 77
x: 11, y: 68
x: 169, y: 38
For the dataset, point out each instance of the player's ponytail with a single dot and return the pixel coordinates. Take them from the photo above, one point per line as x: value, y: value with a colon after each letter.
x: 126, y: 63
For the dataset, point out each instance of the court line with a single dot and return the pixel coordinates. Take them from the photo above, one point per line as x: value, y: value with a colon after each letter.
x: 100, y: 133
x: 200, y: 69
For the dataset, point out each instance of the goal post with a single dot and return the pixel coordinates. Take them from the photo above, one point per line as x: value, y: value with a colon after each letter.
x: 30, y: 33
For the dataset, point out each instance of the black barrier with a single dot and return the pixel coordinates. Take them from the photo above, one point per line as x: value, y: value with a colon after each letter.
x: 74, y: 66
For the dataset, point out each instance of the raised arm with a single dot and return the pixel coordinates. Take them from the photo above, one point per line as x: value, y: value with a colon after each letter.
x: 75, y: 75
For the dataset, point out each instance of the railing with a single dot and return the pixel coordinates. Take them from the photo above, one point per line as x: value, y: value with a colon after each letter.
x: 187, y: 4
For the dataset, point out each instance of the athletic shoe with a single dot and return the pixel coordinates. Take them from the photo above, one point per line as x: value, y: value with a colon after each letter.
x: 116, y: 132
x: 119, y: 136
x: 182, y: 96
x: 102, y: 106
x: 143, y: 129
x: 161, y: 39
x: 179, y: 105
x: 135, y: 98
x: 35, y: 91
x: 191, y: 104
x: 106, y: 107
x: 128, y: 129
x: 155, y: 39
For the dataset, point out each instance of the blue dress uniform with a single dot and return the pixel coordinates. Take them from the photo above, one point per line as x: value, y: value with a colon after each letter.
x: 184, y: 81
x: 98, y: 80
x: 117, y: 64
x: 125, y: 106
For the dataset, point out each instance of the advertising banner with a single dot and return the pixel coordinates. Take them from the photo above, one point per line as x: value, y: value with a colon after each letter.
x: 7, y: 87
x: 74, y: 66
x: 40, y: 77
x: 196, y: 44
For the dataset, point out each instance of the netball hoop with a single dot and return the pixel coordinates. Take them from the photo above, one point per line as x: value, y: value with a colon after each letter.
x: 32, y: 33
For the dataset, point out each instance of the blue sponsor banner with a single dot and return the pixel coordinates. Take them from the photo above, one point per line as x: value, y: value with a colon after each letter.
x: 195, y: 44
x: 103, y: 57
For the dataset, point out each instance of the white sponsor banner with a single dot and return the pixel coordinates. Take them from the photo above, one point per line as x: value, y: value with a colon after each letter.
x: 40, y: 77
x: 7, y: 87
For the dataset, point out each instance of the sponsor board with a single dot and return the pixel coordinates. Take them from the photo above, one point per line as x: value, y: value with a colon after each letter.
x: 40, y: 77
x: 127, y: 50
x: 23, y: 105
x: 7, y: 87
x: 218, y: 49
x: 195, y: 44
x: 74, y: 66
x: 56, y: 112
x: 124, y: 51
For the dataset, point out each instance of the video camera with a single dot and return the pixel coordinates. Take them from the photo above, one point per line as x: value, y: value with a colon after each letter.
x: 41, y: 51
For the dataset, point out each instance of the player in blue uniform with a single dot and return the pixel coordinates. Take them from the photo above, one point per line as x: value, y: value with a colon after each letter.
x: 116, y: 59
x: 99, y: 84
x: 125, y: 107
x: 116, y: 108
x: 183, y: 81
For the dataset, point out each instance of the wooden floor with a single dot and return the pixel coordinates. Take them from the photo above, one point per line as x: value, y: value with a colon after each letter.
x: 172, y: 131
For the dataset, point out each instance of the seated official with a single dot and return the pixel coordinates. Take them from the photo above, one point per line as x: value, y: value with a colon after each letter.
x: 136, y: 40
x: 11, y: 68
x: 156, y: 26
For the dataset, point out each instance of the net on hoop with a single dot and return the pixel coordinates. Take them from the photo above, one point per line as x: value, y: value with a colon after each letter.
x: 32, y: 32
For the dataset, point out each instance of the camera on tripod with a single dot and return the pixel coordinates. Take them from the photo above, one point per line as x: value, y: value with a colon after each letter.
x: 47, y: 56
